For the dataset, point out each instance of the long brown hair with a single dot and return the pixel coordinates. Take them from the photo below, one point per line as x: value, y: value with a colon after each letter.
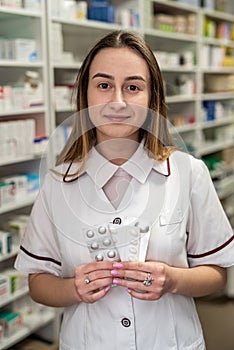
x: 155, y: 131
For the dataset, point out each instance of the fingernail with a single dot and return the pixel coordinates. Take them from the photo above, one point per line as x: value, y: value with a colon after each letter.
x: 114, y: 272
x: 118, y: 265
x: 115, y: 280
x: 107, y: 288
x: 129, y: 290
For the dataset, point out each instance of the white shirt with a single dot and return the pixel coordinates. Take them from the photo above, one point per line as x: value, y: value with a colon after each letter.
x: 188, y: 227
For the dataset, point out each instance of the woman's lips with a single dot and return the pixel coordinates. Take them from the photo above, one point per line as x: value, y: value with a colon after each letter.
x: 117, y: 118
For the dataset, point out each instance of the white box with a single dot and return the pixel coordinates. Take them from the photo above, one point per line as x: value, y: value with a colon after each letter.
x: 13, y: 146
x: 18, y: 96
x: 7, y: 98
x: 30, y: 127
x: 62, y: 97
x: 55, y: 8
x: 33, y: 4
x: 24, y: 50
x: 4, y: 288
x: 6, y: 147
x: 20, y: 182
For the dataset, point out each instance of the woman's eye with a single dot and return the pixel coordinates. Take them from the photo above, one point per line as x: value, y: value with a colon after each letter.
x: 133, y: 88
x: 104, y: 85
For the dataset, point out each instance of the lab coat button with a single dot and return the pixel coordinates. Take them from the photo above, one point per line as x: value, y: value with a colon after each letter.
x: 126, y: 322
x: 117, y: 221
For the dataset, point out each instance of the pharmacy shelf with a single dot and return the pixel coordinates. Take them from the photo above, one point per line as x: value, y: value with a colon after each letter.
x: 218, y: 15
x: 214, y: 147
x: 5, y: 10
x: 30, y: 324
x: 26, y: 111
x: 217, y: 42
x: 90, y: 24
x: 29, y: 158
x: 170, y: 35
x: 224, y: 187
x: 64, y: 109
x: 62, y: 65
x: 28, y: 200
x: 181, y: 98
x: 222, y: 172
x: 217, y: 96
x: 179, y: 69
x: 183, y: 128
x: 177, y: 5
x: 219, y: 70
x: 217, y: 122
x: 13, y: 63
x: 17, y: 295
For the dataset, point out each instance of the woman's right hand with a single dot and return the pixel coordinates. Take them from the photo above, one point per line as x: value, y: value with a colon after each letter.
x: 93, y: 280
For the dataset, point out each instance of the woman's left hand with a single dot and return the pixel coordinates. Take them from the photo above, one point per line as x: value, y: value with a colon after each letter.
x: 144, y: 280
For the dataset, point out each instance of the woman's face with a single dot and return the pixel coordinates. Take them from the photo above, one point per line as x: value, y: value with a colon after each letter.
x: 119, y: 87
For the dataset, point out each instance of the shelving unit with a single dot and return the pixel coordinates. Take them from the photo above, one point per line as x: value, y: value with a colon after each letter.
x: 62, y: 43
x: 31, y: 324
x: 23, y: 24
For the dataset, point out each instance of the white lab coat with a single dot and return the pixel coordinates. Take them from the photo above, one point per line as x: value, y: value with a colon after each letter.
x: 187, y: 228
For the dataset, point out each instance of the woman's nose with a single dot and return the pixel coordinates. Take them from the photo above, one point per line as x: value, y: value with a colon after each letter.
x: 117, y: 100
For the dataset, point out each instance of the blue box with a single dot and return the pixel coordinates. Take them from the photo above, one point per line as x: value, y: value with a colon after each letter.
x: 102, y: 13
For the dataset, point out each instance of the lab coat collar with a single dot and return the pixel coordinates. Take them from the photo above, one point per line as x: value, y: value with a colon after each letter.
x: 138, y: 166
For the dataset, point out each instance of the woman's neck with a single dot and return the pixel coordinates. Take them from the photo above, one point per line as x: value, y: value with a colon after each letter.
x: 117, y: 151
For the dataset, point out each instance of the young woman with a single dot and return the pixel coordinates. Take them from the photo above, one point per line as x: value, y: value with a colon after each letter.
x: 127, y: 229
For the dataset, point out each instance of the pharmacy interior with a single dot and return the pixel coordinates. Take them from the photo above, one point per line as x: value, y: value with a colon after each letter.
x: 193, y: 41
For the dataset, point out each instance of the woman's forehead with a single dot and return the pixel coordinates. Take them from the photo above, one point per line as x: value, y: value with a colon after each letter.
x: 119, y: 59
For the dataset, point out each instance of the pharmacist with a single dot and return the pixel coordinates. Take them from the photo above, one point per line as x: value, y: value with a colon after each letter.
x: 128, y: 229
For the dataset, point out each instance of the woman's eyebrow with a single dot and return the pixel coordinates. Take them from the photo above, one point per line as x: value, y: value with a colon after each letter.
x: 111, y: 77
x: 103, y: 75
x: 135, y: 77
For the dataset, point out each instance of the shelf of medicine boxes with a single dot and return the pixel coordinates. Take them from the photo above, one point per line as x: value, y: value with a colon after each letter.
x: 169, y: 46
x: 31, y: 324
x: 214, y: 42
x: 26, y: 24
x: 69, y: 41
x: 21, y: 23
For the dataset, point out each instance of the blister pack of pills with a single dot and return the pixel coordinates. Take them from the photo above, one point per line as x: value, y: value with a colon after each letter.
x: 101, y: 244
x: 113, y: 242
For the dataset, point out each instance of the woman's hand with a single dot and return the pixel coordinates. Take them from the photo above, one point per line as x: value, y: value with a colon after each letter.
x: 150, y: 280
x: 143, y: 280
x: 93, y: 280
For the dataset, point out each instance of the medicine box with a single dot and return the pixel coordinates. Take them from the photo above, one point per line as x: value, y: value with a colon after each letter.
x: 11, y: 321
x: 5, y: 242
x: 24, y: 50
x: 219, y: 83
x: 17, y: 280
x: 12, y: 3
x: 7, y: 193
x: 32, y: 4
x: 4, y: 287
